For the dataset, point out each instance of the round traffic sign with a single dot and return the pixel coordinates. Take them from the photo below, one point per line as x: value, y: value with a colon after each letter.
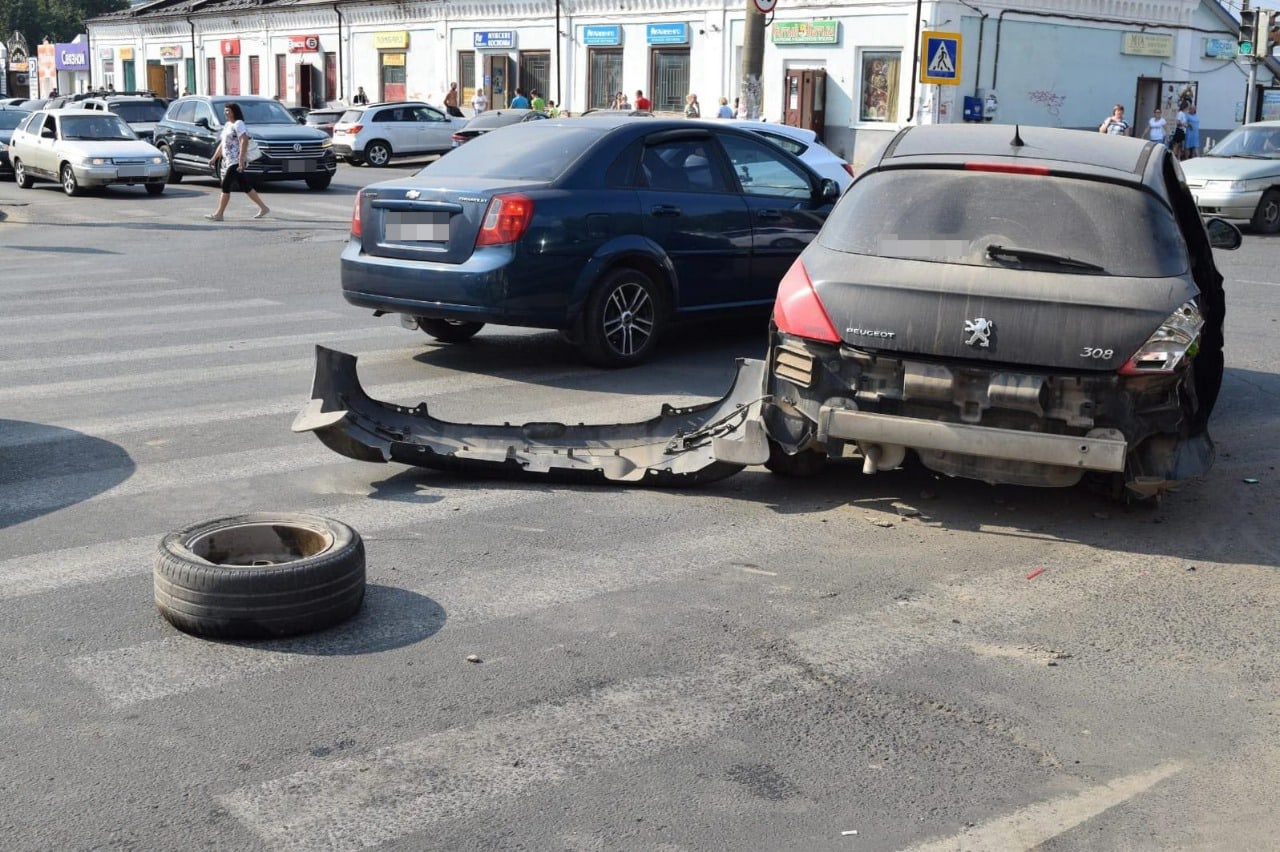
x: 765, y: 6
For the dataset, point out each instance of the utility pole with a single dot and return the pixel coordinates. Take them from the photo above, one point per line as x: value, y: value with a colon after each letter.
x: 752, y: 95
x: 1248, y: 47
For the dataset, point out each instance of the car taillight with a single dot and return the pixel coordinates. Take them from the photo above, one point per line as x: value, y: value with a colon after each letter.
x: 505, y: 220
x: 848, y: 167
x: 1177, y: 337
x: 1006, y: 168
x: 354, y: 129
x: 458, y: 137
x: 357, y: 224
x: 798, y: 310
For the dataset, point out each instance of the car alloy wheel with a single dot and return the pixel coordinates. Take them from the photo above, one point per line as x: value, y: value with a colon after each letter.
x: 70, y: 185
x: 377, y: 154
x: 624, y: 317
x: 1266, y: 219
x: 20, y: 175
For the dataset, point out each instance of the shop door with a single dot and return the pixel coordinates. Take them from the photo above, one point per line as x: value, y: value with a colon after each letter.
x: 309, y: 85
x: 804, y: 99
x: 156, y: 78
x: 497, y: 76
x: 1146, y: 100
x: 393, y: 77
x: 231, y: 75
x: 535, y: 72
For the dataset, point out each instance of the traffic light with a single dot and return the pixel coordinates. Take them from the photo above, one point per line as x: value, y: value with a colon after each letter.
x: 1246, y: 38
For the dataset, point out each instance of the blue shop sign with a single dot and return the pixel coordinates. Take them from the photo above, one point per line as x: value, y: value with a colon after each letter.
x: 667, y: 33
x: 602, y: 36
x: 494, y: 38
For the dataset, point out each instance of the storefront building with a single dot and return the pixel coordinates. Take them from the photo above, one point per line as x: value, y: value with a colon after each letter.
x: 850, y: 71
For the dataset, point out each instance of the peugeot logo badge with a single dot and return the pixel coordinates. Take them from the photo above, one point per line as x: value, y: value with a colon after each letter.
x: 412, y: 194
x: 297, y: 146
x: 979, y: 331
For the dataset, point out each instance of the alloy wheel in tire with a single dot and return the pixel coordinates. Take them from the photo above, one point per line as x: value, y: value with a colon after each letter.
x: 20, y: 175
x: 259, y: 575
x: 70, y: 185
x: 378, y: 154
x: 628, y: 319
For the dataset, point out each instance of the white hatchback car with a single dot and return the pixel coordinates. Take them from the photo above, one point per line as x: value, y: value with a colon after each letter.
x: 78, y: 148
x: 374, y: 133
x: 803, y: 143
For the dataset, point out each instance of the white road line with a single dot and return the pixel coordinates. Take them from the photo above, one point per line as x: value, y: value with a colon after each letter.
x: 1036, y: 824
x: 216, y: 347
x: 98, y: 298
x: 107, y: 331
x: 176, y: 665
x: 397, y: 790
x: 96, y: 286
x: 244, y: 305
x: 186, y: 377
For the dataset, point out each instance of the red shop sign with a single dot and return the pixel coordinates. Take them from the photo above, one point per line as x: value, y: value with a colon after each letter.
x: 230, y: 47
x: 304, y: 43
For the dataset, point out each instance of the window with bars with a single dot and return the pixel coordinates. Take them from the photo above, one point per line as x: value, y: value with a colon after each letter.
x: 535, y: 71
x: 466, y: 75
x: 670, y: 80
x: 604, y: 77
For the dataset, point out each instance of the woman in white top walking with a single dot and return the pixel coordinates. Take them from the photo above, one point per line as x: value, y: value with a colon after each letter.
x: 233, y: 151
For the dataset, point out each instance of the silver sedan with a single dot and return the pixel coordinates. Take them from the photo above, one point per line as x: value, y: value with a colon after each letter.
x: 79, y: 149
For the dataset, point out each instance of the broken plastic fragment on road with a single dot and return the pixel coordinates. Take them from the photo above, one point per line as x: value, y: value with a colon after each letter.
x: 1035, y: 573
x: 687, y: 445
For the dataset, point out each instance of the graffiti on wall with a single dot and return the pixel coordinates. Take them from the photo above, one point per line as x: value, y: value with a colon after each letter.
x: 1051, y: 101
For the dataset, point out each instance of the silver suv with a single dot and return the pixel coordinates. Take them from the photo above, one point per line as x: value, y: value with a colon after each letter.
x: 374, y: 133
x: 140, y: 111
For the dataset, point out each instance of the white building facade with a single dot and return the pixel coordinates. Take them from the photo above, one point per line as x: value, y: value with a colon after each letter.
x: 851, y: 69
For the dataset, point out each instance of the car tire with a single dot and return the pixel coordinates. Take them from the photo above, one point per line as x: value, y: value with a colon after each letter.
x: 175, y: 176
x: 155, y: 188
x: 20, y: 176
x: 377, y: 153
x: 260, y: 575
x: 67, y: 177
x: 319, y: 182
x: 449, y: 331
x: 802, y: 464
x: 625, y: 316
x: 1266, y: 219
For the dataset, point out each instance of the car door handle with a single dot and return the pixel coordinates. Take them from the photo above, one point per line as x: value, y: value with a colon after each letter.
x: 664, y: 210
x: 769, y: 214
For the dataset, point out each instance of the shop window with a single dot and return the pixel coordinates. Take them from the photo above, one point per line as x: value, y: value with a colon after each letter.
x: 535, y: 71
x: 466, y: 75
x: 211, y: 77
x: 231, y: 75
x: 879, y: 94
x: 393, y: 80
x: 604, y: 77
x: 671, y: 80
x: 255, y: 75
x: 282, y: 74
x: 330, y: 76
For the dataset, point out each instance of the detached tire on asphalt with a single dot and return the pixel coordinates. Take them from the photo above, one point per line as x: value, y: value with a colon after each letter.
x: 263, y: 575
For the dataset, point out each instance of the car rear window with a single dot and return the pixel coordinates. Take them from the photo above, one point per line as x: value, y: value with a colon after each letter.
x: 351, y: 116
x: 153, y: 111
x: 951, y: 216
x: 529, y: 151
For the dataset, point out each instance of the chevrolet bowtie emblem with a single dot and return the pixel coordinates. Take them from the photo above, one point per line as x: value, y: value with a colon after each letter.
x: 413, y: 193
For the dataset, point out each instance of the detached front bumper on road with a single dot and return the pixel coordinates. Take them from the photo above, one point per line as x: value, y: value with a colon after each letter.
x: 688, y: 445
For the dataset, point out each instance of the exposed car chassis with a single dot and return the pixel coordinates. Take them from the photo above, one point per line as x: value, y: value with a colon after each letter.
x: 711, y: 441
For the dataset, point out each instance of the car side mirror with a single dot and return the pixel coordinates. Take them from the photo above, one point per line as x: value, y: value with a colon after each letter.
x: 830, y: 190
x: 1223, y: 234
x: 202, y: 122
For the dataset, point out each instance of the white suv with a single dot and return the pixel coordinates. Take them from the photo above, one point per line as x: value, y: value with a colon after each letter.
x: 140, y: 111
x: 374, y: 133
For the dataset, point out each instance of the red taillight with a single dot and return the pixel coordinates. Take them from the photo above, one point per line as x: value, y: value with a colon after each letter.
x: 848, y: 167
x: 798, y: 310
x: 357, y: 225
x: 505, y: 220
x: 1007, y: 168
x: 458, y: 137
x: 353, y: 129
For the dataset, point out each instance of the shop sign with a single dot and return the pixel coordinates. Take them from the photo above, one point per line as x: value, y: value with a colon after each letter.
x: 229, y: 46
x: 667, y: 33
x: 1221, y: 48
x: 304, y: 43
x: 393, y: 59
x: 391, y: 41
x: 126, y: 54
x: 806, y: 32
x: 494, y: 39
x: 1147, y: 44
x: 170, y: 53
x: 106, y: 54
x: 71, y: 57
x: 602, y: 36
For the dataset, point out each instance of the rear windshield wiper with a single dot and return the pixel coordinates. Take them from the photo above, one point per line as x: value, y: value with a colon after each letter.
x: 997, y: 251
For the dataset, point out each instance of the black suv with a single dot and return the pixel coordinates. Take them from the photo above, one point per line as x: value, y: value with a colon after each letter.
x: 189, y: 132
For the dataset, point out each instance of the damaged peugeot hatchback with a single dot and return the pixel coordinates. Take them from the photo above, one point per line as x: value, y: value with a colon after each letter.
x: 1015, y: 305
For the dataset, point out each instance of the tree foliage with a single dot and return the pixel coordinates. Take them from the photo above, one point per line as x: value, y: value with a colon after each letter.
x: 56, y: 20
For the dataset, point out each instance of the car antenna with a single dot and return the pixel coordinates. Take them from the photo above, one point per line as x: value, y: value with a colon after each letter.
x: 1017, y: 138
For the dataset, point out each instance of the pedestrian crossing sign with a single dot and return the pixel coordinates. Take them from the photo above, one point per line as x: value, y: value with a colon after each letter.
x: 940, y: 58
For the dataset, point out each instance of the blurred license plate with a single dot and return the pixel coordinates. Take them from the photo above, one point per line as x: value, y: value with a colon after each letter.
x: 418, y: 227
x: 131, y: 171
x: 299, y: 165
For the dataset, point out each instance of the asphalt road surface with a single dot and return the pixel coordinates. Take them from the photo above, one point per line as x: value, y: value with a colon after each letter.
x: 755, y: 664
